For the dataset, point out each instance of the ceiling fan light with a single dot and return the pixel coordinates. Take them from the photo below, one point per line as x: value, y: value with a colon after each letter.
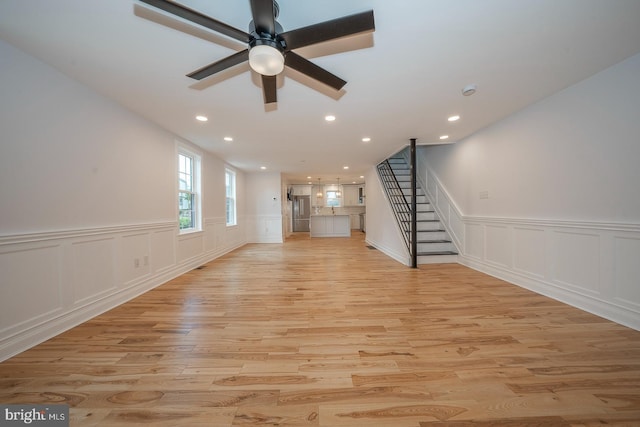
x: 266, y: 60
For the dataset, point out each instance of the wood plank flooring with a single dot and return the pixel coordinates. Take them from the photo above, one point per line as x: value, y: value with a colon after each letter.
x: 326, y: 332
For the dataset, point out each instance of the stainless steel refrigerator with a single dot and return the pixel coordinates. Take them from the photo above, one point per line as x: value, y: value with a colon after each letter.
x: 301, y: 207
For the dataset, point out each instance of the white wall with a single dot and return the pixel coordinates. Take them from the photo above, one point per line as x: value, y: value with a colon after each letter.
x: 573, y: 156
x: 382, y: 230
x: 562, y: 215
x: 88, y: 204
x: 263, y: 197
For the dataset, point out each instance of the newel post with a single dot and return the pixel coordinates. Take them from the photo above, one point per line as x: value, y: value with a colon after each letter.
x: 414, y: 207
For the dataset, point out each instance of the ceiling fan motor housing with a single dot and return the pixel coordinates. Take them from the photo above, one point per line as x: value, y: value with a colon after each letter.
x: 269, y: 47
x: 264, y: 59
x: 257, y: 39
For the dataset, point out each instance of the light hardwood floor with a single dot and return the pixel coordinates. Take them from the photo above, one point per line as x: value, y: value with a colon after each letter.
x: 327, y: 332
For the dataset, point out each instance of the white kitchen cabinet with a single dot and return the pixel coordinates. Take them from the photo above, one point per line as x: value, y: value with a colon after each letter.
x: 355, y: 221
x: 330, y: 226
x: 301, y: 190
x: 353, y: 195
x: 350, y: 194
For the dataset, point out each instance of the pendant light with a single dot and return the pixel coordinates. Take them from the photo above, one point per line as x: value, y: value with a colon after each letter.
x: 319, y: 193
x: 338, y: 193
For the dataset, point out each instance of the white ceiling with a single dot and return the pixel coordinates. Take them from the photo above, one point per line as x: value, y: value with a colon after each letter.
x: 404, y: 79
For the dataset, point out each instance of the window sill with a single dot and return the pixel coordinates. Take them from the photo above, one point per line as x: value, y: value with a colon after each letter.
x: 189, y: 232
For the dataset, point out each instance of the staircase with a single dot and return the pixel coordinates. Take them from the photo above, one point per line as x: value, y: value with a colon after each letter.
x: 433, y: 242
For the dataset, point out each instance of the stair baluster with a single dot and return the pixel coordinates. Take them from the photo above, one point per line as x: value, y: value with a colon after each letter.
x: 432, y: 241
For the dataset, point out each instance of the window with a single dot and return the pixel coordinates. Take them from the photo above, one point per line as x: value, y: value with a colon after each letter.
x: 332, y: 198
x: 230, y: 182
x: 188, y: 191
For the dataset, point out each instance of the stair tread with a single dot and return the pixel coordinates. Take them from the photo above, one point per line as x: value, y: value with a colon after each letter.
x: 419, y: 203
x: 402, y: 176
x: 437, y: 253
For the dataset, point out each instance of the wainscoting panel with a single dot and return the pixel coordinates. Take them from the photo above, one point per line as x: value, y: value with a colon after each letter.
x: 53, y: 281
x: 576, y: 260
x: 432, y: 186
x: 529, y: 251
x: 474, y: 241
x: 215, y: 236
x: 456, y: 228
x: 587, y: 265
x: 626, y: 270
x: 235, y: 236
x: 442, y: 204
x: 190, y: 246
x: 94, y: 268
x: 264, y: 229
x: 31, y: 288
x: 134, y: 257
x: 592, y: 266
x: 498, y: 245
x: 162, y: 249
x: 447, y: 210
x: 211, y: 237
x: 220, y: 239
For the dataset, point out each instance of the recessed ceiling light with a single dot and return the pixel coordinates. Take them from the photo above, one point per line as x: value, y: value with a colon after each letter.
x: 308, y: 177
x: 202, y: 118
x: 362, y: 176
x: 228, y: 138
x: 345, y: 167
x: 444, y: 137
x: 353, y: 182
x: 469, y: 90
x: 263, y: 167
x: 453, y: 118
x: 330, y: 118
x: 366, y: 139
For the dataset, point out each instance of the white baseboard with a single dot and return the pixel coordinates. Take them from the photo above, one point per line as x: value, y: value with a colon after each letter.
x: 599, y: 307
x: 398, y: 256
x: 37, y: 327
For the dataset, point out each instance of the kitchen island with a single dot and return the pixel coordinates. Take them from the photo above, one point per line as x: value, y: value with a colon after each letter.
x: 330, y: 226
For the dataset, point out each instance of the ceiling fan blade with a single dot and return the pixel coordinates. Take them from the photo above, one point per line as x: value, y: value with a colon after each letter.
x: 199, y: 18
x: 269, y: 89
x: 310, y: 69
x: 328, y: 30
x: 223, y: 64
x: 263, y: 16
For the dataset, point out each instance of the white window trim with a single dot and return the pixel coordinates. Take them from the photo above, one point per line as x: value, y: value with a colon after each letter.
x: 197, y: 183
x: 235, y: 198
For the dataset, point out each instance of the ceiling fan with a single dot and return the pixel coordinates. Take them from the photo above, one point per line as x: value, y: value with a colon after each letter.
x: 269, y: 48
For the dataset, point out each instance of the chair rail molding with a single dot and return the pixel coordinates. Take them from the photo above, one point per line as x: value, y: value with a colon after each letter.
x: 81, y: 273
x: 589, y: 265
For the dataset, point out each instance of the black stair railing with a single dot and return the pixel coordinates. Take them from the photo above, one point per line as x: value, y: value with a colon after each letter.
x: 399, y: 204
x: 403, y: 197
x: 404, y: 211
